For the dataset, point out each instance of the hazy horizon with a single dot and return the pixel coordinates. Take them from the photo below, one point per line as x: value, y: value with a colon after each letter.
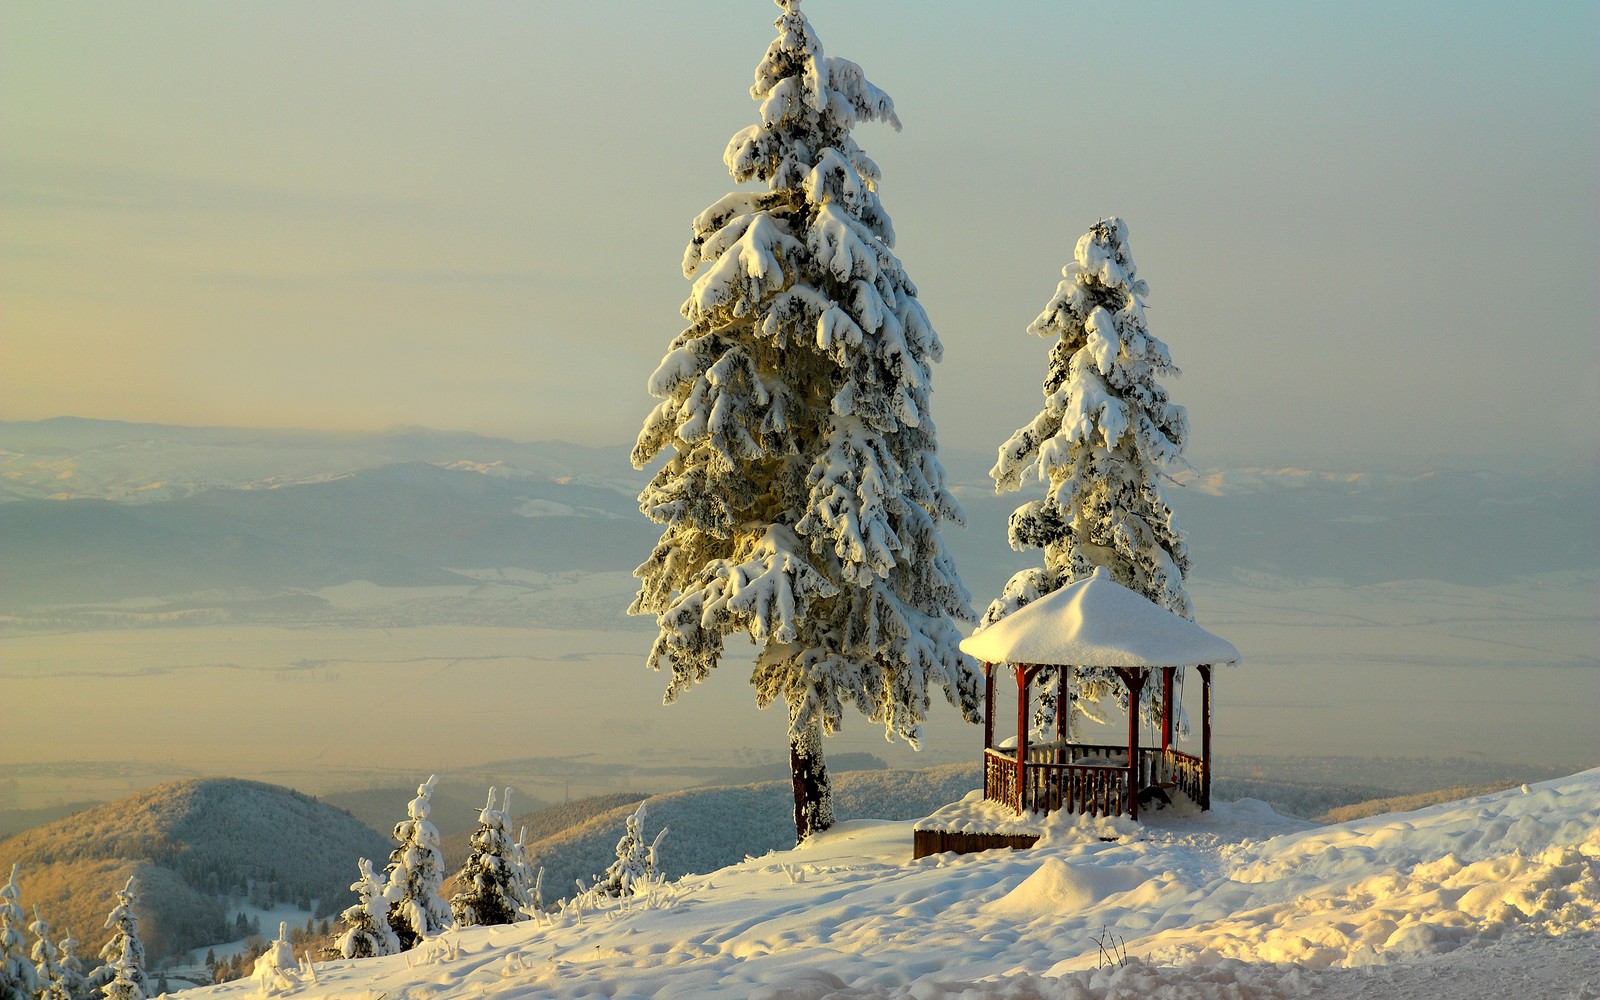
x: 969, y: 463
x: 294, y: 215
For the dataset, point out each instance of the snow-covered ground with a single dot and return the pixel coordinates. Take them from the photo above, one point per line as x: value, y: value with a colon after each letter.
x: 1497, y: 896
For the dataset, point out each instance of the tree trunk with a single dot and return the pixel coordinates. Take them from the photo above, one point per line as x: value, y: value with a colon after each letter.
x: 813, y: 794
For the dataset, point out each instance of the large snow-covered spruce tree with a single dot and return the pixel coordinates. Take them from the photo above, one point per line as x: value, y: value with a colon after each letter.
x: 802, y: 494
x: 1106, y: 435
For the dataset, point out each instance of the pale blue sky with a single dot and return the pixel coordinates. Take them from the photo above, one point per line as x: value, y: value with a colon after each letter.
x: 1368, y: 228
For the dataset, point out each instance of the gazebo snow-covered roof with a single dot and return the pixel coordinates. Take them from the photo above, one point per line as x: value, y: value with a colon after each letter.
x: 1098, y: 622
x: 1094, y: 622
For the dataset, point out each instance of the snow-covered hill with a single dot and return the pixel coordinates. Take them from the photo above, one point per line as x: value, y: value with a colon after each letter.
x: 1492, y: 897
x: 192, y: 844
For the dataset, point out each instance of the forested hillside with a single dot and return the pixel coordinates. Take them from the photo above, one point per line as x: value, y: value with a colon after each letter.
x: 194, y: 845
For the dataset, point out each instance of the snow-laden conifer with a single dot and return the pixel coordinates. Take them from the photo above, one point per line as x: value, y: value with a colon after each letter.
x: 637, y: 867
x: 416, y: 874
x: 49, y: 984
x: 73, y: 978
x: 124, y: 984
x: 367, y: 932
x: 1105, y: 437
x: 17, y: 979
x: 801, y: 492
x: 493, y: 888
x: 124, y: 952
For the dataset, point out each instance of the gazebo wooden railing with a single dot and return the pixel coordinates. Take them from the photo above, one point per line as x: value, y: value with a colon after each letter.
x: 1060, y: 776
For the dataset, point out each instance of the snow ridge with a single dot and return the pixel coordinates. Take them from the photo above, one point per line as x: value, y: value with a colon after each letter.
x: 1239, y: 902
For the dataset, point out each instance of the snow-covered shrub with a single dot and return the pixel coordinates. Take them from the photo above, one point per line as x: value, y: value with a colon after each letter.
x: 367, y: 931
x: 801, y: 493
x: 530, y: 880
x: 1103, y: 441
x: 276, y: 970
x: 637, y: 868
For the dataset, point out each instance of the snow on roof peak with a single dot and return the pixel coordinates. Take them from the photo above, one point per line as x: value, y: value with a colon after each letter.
x: 1096, y: 621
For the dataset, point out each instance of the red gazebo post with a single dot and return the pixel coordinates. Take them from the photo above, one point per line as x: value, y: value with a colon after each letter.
x: 1024, y: 675
x: 1062, y: 709
x: 988, y: 705
x: 1166, y: 707
x: 1205, y: 735
x: 1133, y: 679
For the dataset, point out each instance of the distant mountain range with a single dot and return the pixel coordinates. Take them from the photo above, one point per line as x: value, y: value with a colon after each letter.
x: 402, y: 525
x: 1472, y: 528
x: 96, y: 512
x: 101, y: 512
x: 192, y: 844
x: 75, y: 458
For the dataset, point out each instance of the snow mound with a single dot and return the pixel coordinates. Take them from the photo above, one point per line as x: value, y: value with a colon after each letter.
x: 1058, y: 887
x: 1416, y: 884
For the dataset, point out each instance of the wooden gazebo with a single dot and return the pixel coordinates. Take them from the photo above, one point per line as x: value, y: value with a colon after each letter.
x: 1095, y: 622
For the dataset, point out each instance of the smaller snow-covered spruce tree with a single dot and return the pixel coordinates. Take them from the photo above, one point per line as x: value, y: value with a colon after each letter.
x: 416, y: 874
x: 124, y: 984
x: 637, y: 867
x: 367, y: 932
x: 124, y: 952
x: 1105, y: 437
x: 493, y: 888
x: 801, y: 492
x: 17, y: 979
x: 71, y: 966
x: 49, y: 982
